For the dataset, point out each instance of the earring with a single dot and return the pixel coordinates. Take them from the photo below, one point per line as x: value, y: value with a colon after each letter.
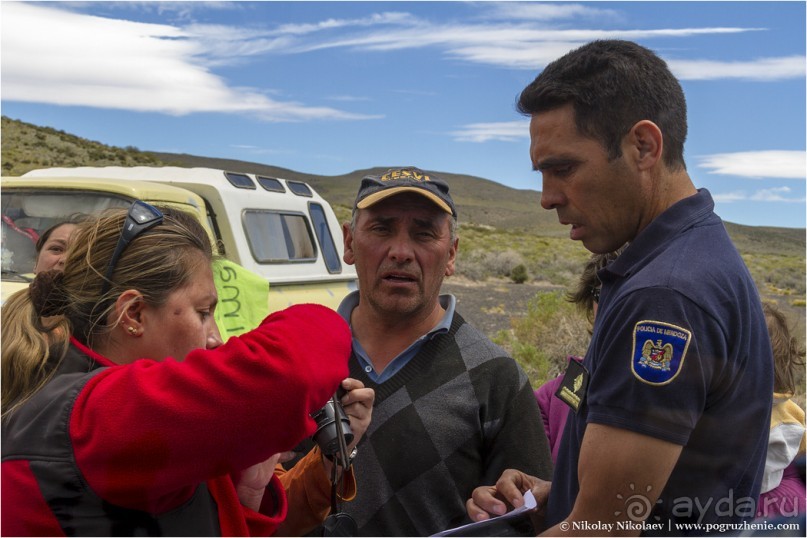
x: 132, y: 331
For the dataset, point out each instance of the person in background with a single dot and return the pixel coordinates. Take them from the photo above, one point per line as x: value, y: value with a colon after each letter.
x: 672, y: 402
x: 51, y: 246
x: 149, y: 432
x: 783, y: 489
x: 452, y: 409
x: 586, y: 296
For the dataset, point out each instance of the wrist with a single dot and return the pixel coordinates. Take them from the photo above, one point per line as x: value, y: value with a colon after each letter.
x: 334, y: 459
x: 250, y: 497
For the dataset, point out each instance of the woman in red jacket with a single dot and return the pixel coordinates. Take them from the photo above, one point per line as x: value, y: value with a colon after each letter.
x: 118, y: 420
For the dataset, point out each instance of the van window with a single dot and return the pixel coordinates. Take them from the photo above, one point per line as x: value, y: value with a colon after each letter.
x: 329, y: 252
x: 270, y: 184
x: 299, y: 188
x: 241, y: 181
x: 276, y: 237
x: 26, y: 214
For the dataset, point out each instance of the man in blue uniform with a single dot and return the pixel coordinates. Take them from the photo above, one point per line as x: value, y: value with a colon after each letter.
x: 671, y: 407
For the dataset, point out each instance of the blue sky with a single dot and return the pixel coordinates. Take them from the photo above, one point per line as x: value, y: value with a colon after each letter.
x: 331, y: 87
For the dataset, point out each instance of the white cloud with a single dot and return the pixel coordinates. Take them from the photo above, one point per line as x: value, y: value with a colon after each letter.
x: 519, y: 35
x: 227, y: 45
x: 505, y: 131
x: 524, y: 45
x: 758, y: 164
x: 729, y: 197
x: 787, y: 67
x: 548, y: 11
x: 329, y: 24
x: 776, y: 194
x: 111, y: 63
x: 348, y: 98
x: 107, y: 63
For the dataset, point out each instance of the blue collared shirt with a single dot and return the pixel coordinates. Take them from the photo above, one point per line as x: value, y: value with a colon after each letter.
x: 351, y: 301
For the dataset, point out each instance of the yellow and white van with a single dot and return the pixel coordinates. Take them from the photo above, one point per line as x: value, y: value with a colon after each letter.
x: 279, y: 229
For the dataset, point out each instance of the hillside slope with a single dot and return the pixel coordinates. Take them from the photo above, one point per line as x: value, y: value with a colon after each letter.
x: 480, y: 201
x: 27, y: 147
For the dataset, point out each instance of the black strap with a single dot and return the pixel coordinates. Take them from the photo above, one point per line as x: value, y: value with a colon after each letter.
x: 338, y: 523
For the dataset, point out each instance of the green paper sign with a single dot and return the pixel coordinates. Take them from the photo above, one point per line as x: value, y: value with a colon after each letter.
x: 243, y: 298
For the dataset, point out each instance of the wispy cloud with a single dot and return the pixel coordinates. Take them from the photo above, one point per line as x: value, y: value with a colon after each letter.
x: 224, y: 44
x: 330, y: 24
x: 119, y: 64
x: 758, y: 164
x: 788, y: 67
x: 777, y: 194
x: 554, y: 11
x: 514, y: 35
x: 169, y: 68
x: 525, y: 45
x: 505, y: 131
x: 348, y: 98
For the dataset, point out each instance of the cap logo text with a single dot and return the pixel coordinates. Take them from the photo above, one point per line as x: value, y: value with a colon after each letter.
x: 405, y: 173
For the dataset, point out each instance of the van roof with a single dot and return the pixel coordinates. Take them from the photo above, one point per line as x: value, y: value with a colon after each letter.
x: 237, y: 204
x: 220, y: 179
x: 144, y: 190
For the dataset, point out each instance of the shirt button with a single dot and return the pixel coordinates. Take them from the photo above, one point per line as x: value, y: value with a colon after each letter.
x: 368, y: 369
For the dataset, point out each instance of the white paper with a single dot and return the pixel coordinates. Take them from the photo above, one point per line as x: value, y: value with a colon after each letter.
x: 529, y: 504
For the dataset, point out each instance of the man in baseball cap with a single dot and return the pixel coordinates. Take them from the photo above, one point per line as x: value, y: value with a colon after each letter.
x: 451, y: 407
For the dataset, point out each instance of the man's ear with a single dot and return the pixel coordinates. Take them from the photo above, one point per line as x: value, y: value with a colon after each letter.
x: 647, y: 143
x: 452, y: 257
x: 349, y: 258
x: 128, y: 312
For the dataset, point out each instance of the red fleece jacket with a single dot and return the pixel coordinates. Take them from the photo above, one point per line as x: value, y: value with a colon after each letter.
x: 146, y: 434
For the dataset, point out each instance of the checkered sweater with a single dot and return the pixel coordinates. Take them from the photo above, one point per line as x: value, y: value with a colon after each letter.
x: 456, y: 416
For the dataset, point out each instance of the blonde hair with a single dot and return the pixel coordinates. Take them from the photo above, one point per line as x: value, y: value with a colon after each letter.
x: 786, y: 351
x: 155, y: 263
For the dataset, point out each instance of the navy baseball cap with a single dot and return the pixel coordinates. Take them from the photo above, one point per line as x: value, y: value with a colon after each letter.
x: 394, y: 181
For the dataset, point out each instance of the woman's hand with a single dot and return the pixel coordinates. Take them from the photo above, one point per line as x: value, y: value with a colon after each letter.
x: 250, y: 483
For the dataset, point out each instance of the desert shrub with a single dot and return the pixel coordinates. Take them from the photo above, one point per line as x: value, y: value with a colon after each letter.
x: 778, y: 274
x: 541, y: 340
x: 483, y: 264
x: 535, y: 363
x: 519, y: 274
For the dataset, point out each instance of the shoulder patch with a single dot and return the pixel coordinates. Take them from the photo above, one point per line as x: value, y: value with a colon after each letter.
x: 659, y: 350
x: 572, y: 389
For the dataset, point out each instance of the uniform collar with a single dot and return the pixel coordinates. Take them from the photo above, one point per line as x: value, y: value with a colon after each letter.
x: 687, y: 213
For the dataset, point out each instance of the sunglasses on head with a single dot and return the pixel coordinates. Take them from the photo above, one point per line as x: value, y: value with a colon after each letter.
x: 140, y: 218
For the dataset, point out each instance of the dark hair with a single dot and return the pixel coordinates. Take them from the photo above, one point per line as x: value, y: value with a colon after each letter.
x: 612, y: 85
x: 75, y: 218
x: 583, y: 294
